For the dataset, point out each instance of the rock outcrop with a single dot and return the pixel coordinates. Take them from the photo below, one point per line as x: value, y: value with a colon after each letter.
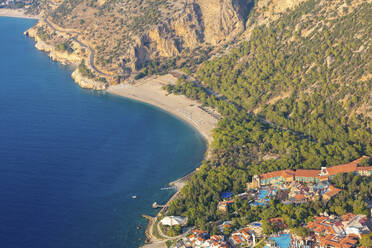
x: 166, y: 45
x: 126, y: 34
x: 61, y: 56
x: 140, y: 52
x: 87, y: 83
x: 224, y: 19
x: 198, y: 22
x: 65, y: 57
x: 189, y: 26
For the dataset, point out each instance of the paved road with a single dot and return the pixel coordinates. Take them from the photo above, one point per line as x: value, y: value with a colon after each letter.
x: 75, y: 38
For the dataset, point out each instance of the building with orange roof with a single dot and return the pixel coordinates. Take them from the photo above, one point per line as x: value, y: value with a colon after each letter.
x: 276, y: 177
x: 365, y: 171
x: 336, y: 241
x: 223, y: 206
x: 339, y: 232
x: 332, y: 191
x: 278, y: 222
x: 309, y: 176
x: 200, y: 238
x: 244, y: 237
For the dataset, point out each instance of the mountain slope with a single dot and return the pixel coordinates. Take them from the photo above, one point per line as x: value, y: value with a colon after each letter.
x: 296, y: 95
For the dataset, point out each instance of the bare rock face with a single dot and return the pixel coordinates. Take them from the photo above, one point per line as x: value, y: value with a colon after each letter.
x: 198, y: 22
x: 271, y: 9
x: 140, y: 53
x: 170, y: 32
x: 223, y: 19
x: 189, y: 26
x: 166, y: 45
x: 283, y: 5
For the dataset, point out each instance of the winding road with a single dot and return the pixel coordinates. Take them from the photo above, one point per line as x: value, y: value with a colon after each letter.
x: 75, y: 38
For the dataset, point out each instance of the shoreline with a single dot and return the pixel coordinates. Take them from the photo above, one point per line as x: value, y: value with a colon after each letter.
x: 16, y: 13
x: 149, y: 90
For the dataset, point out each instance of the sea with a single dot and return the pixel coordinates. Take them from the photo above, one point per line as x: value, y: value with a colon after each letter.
x: 72, y: 159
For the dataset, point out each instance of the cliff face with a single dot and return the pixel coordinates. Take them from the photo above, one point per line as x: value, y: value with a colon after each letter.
x: 61, y: 56
x: 199, y: 22
x: 223, y: 20
x: 188, y: 25
x: 166, y: 44
x: 125, y: 34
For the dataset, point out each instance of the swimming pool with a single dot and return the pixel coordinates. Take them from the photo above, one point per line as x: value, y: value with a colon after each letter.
x: 263, y: 194
x: 283, y: 241
x: 264, y: 197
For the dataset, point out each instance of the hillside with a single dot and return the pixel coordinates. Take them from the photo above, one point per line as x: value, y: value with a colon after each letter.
x: 154, y: 36
x: 297, y: 94
x: 292, y: 80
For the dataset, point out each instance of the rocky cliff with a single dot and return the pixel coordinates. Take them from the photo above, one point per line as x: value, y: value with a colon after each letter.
x: 201, y: 22
x: 126, y: 34
x: 223, y: 20
x: 63, y: 57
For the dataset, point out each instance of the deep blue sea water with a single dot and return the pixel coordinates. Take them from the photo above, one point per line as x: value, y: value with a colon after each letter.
x: 70, y: 159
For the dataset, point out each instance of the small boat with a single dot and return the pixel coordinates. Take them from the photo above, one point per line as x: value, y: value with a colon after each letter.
x: 134, y: 196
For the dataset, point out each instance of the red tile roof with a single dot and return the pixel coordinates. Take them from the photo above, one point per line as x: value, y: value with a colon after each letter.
x: 282, y: 173
x: 197, y: 231
x: 366, y: 168
x: 236, y: 239
x: 279, y: 222
x: 332, y: 191
x: 343, y: 168
x: 300, y: 197
x: 333, y: 241
x: 347, y: 217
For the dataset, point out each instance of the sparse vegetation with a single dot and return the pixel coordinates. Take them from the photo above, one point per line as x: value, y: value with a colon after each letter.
x: 84, y: 70
x: 65, y: 47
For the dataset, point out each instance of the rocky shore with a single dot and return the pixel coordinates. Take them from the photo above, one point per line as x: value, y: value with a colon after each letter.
x: 87, y: 83
x: 66, y: 58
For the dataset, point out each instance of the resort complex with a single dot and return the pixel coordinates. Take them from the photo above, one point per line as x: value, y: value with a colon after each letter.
x: 339, y: 232
x: 294, y: 186
x: 288, y: 187
x: 299, y: 186
x: 325, y: 231
x: 199, y: 238
x: 309, y: 176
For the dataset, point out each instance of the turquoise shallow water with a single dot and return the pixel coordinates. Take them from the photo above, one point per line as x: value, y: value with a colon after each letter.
x: 70, y: 159
x: 283, y: 241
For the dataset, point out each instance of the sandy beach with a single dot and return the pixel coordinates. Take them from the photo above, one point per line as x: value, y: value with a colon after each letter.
x: 17, y: 13
x: 150, y: 90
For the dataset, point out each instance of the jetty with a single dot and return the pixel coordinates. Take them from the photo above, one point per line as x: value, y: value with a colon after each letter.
x: 156, y: 205
x: 169, y: 188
